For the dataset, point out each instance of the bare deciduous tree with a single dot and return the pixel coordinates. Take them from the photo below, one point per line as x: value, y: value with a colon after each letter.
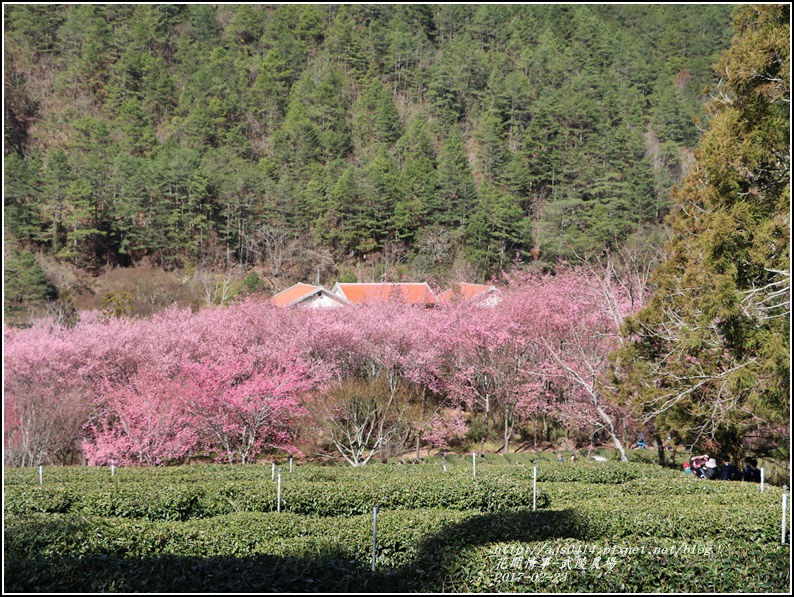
x: 362, y: 417
x: 275, y: 246
x: 217, y: 288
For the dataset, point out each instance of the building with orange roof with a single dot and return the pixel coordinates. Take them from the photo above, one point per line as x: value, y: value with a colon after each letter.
x: 480, y: 294
x: 410, y: 293
x: 306, y: 295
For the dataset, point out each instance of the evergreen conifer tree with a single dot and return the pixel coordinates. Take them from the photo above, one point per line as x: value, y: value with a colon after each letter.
x: 709, y: 356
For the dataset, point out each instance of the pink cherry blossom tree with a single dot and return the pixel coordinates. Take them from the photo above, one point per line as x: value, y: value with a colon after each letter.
x: 579, y: 330
x: 237, y: 380
x: 447, y: 428
x: 382, y: 364
x: 488, y: 351
x: 44, y: 403
x: 239, y: 409
x: 140, y: 423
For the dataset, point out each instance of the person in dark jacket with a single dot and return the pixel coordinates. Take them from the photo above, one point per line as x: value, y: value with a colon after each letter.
x: 730, y: 472
x: 698, y: 465
x: 751, y: 472
x: 712, y: 471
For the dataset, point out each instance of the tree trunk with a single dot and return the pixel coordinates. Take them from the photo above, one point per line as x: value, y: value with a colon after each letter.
x: 659, y: 449
x: 487, y: 421
x: 535, y: 433
x: 611, y: 429
x: 418, y: 443
x: 508, y: 432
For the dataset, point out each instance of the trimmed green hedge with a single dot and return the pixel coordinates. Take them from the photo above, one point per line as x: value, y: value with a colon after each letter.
x: 429, y: 550
x: 213, y: 528
x: 247, y: 533
x: 608, y: 473
x: 586, y: 471
x: 493, y: 466
x: 161, y: 499
x: 645, y: 565
x: 723, y: 492
x: 733, y: 568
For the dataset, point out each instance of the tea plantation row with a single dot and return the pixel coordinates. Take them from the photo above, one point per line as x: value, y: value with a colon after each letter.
x: 168, y: 501
x: 584, y: 472
x: 212, y: 529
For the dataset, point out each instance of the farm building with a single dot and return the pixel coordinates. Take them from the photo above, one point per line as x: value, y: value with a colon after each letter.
x: 480, y: 294
x: 408, y: 292
x: 411, y: 293
x: 306, y: 295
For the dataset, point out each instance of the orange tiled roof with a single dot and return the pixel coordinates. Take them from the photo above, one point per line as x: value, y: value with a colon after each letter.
x: 445, y: 296
x: 293, y: 293
x: 463, y: 291
x: 408, y: 292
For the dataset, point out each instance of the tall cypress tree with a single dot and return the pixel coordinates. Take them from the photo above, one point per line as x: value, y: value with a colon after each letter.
x: 709, y: 356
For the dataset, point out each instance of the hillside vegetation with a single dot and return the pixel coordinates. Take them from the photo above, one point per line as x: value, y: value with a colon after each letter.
x: 314, y: 140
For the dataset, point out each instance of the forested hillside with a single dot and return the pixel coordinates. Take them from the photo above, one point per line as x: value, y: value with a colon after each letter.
x: 306, y: 140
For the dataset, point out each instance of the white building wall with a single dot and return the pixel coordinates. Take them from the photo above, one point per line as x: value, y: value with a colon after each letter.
x: 323, y: 301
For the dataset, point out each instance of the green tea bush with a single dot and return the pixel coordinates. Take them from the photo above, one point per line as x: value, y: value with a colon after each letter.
x: 189, y: 528
x: 234, y: 535
x: 644, y: 565
x: 601, y: 472
x: 493, y: 465
x: 248, y: 532
x: 435, y: 548
x: 162, y: 499
x: 722, y: 492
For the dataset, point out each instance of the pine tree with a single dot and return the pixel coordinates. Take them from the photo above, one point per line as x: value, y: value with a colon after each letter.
x: 375, y: 119
x: 418, y: 180
x: 456, y: 189
x: 138, y: 131
x: 175, y: 131
x: 22, y: 202
x: 492, y: 154
x: 496, y: 233
x: 24, y: 282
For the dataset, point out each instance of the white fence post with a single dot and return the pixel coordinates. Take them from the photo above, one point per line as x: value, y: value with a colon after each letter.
x: 112, y: 467
x: 534, y: 487
x: 374, y: 535
x: 783, y: 519
x: 273, y: 472
x: 474, y: 464
x: 278, y: 493
x: 290, y: 464
x: 41, y: 475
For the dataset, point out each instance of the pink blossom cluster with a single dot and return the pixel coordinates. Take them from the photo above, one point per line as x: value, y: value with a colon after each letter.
x: 236, y: 381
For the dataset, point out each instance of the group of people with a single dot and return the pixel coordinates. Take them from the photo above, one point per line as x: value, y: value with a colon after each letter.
x: 704, y: 467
